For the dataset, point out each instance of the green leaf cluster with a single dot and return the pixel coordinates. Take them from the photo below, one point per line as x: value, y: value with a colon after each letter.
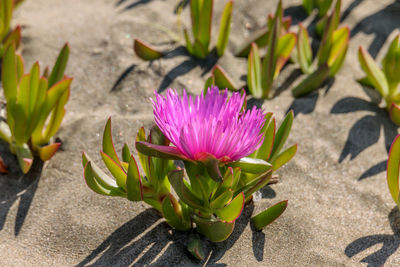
x: 330, y: 56
x: 386, y: 79
x: 35, y: 106
x: 8, y: 37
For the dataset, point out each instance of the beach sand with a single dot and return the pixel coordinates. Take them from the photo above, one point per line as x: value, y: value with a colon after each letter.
x: 340, y: 212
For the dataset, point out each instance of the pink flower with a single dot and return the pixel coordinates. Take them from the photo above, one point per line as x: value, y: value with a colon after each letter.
x: 209, y: 125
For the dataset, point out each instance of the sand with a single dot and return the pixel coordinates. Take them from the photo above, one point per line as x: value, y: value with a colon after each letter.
x: 340, y: 211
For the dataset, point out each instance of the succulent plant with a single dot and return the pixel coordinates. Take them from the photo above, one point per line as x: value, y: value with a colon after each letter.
x: 330, y: 57
x: 201, y: 12
x: 261, y: 72
x: 8, y: 37
x: 208, y: 134
x: 393, y: 170
x: 35, y: 106
x: 386, y: 80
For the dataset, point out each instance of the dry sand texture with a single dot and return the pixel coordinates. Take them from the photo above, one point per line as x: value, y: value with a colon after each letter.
x: 340, y: 211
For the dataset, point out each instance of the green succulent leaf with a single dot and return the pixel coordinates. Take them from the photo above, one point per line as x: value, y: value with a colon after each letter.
x: 254, y: 77
x: 208, y: 84
x: 269, y: 215
x: 264, y: 152
x: 394, y: 113
x: 251, y: 165
x: 340, y: 44
x: 184, y: 193
x: 9, y: 75
x: 312, y: 81
x: 393, y: 169
x: 134, y: 188
x: 93, y: 183
x: 373, y: 72
x: 304, y: 50
x: 126, y: 153
x: 205, y: 21
x: 224, y: 29
x: 222, y: 200
x: 221, y: 79
x: 47, y: 152
x: 108, y: 144
x: 5, y: 132
x: 285, y: 46
x: 196, y: 249
x: 172, y: 212
x: 115, y: 169
x: 24, y: 156
x: 215, y: 231
x: 232, y: 210
x: 57, y: 73
x: 282, y: 135
x: 145, y: 51
x: 284, y: 157
x: 391, y: 63
x: 99, y: 176
x: 167, y: 152
x: 256, y: 184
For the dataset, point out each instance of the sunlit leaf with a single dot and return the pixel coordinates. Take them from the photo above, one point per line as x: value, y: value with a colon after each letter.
x: 222, y: 80
x: 224, y: 29
x: 269, y: 215
x: 145, y: 51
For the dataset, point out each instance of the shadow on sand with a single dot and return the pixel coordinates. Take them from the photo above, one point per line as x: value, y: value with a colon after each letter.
x: 390, y: 243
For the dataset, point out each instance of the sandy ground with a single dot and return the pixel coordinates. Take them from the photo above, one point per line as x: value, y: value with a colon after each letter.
x: 340, y: 212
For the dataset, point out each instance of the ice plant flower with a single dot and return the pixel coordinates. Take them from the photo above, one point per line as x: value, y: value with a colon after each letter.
x: 209, y: 125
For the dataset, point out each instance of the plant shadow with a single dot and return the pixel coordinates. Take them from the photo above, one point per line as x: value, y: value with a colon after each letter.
x: 366, y: 131
x: 377, y: 24
x: 390, y: 243
x: 16, y: 186
x: 147, y: 240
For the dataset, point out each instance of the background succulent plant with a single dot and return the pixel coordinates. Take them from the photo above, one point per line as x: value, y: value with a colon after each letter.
x: 32, y: 100
x: 8, y: 37
x: 386, y: 79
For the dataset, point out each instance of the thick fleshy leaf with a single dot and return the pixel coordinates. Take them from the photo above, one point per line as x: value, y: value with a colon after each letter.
x: 167, y: 152
x: 256, y: 184
x: 326, y: 42
x: 285, y: 46
x: 284, y: 157
x: 126, y: 153
x: 91, y: 182
x: 5, y: 132
x: 393, y: 169
x: 189, y: 46
x: 176, y: 179
x: 224, y: 29
x: 9, y: 74
x: 373, y: 72
x: 14, y: 38
x: 18, y: 114
x: 251, y: 165
x: 260, y: 38
x: 134, y: 188
x: 108, y: 144
x: 208, y: 84
x: 47, y: 152
x: 304, y: 50
x: 231, y: 211
x: 391, y: 63
x: 57, y: 73
x: 141, y: 136
x: 227, y: 182
x: 312, y: 81
x: 24, y: 156
x: 269, y: 215
x: 282, y: 135
x: 199, y: 50
x: 172, y: 213
x: 196, y: 249
x: 205, y: 21
x: 222, y: 200
x: 222, y: 80
x: 270, y: 59
x: 308, y: 6
x: 195, y: 9
x: 394, y: 113
x: 101, y: 177
x: 145, y: 51
x: 264, y: 152
x: 212, y: 166
x: 115, y: 169
x: 340, y: 44
x: 254, y: 76
x: 215, y: 231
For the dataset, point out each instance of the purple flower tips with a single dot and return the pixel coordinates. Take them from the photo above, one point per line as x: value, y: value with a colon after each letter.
x: 210, y: 125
